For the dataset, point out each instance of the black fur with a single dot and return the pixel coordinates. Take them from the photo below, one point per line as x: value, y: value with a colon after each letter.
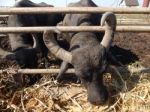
x: 21, y: 44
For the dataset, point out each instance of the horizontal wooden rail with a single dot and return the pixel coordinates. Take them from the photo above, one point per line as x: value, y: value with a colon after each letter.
x: 74, y: 29
x: 42, y: 10
x: 54, y: 71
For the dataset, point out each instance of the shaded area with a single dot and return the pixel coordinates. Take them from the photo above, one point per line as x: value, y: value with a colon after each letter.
x: 130, y: 47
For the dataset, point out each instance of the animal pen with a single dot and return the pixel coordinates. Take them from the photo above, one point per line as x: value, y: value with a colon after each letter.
x: 119, y: 105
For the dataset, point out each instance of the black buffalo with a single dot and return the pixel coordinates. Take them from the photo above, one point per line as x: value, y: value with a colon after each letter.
x: 27, y: 47
x: 88, y: 51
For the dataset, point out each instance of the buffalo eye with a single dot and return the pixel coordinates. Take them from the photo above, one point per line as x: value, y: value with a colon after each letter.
x: 87, y: 75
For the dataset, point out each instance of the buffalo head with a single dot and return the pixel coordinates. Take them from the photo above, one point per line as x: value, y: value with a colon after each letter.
x: 89, y: 61
x: 25, y: 56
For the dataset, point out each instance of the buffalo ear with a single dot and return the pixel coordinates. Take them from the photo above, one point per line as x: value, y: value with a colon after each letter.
x: 120, y: 83
x: 11, y: 56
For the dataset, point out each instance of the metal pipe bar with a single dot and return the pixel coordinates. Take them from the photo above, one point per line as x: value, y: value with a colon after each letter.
x: 54, y: 71
x: 73, y: 29
x: 43, y: 10
x: 34, y: 71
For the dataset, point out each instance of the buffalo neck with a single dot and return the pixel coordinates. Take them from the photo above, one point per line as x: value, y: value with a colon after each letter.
x: 83, y: 39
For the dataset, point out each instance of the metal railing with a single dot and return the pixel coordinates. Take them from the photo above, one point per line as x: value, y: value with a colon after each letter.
x: 37, y: 10
x: 43, y: 10
x: 73, y: 29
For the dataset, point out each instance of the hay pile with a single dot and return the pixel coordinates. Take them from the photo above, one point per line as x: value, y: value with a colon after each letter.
x: 49, y: 96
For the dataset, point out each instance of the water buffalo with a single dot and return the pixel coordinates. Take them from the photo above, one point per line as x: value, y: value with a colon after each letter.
x: 28, y: 48
x: 22, y: 43
x: 87, y: 53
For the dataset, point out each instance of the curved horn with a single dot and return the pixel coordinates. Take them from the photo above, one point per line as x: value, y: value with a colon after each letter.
x: 110, y: 27
x: 53, y: 46
x: 35, y: 41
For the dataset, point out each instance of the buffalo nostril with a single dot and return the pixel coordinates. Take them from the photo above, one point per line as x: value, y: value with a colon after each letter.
x: 98, y: 102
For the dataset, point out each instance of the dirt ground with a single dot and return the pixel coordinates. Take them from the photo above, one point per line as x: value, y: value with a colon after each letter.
x: 48, y: 96
x: 132, y: 47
